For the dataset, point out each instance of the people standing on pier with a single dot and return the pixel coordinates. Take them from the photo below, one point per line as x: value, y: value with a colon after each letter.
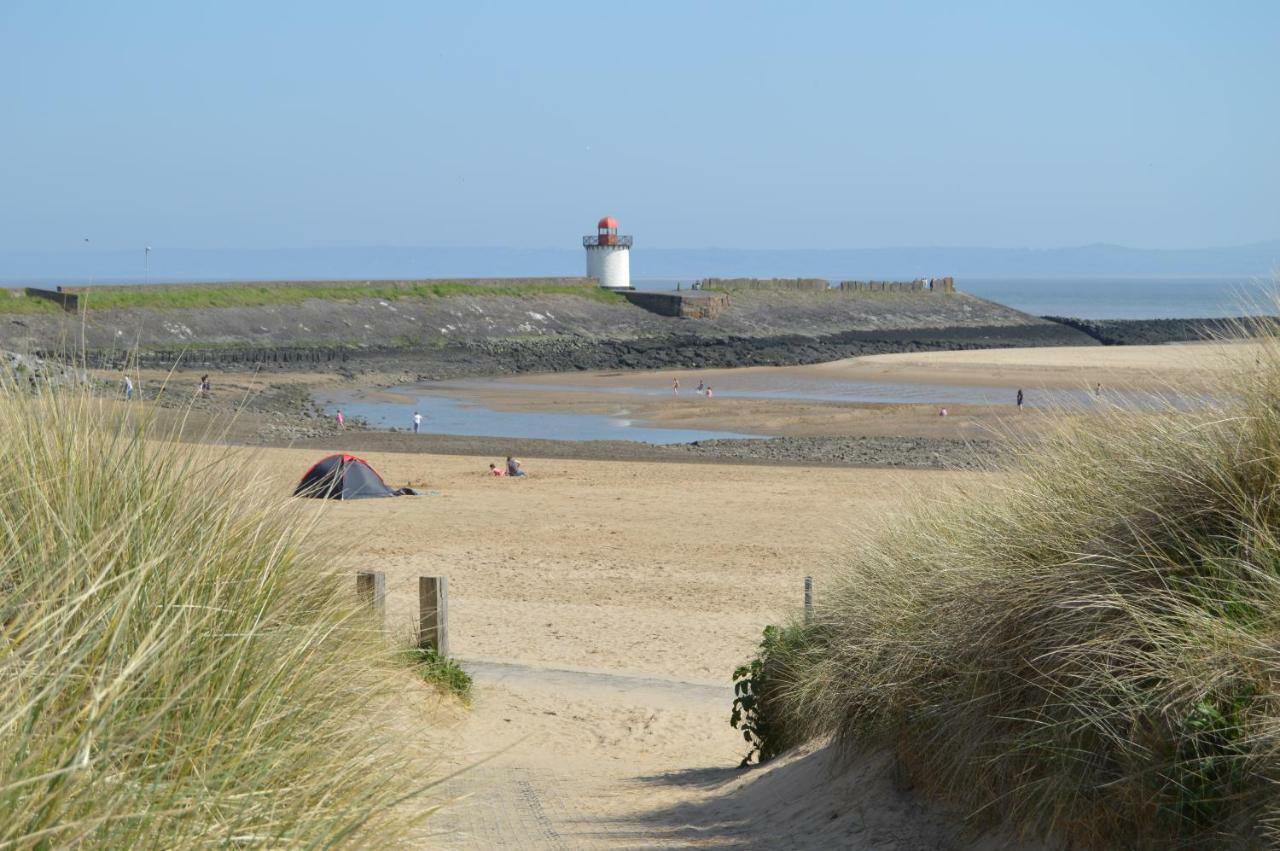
x: 1019, y: 398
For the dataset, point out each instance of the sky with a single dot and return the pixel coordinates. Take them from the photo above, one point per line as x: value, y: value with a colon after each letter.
x: 738, y: 125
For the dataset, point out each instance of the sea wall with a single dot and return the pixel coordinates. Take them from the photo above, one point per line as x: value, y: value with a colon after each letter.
x: 689, y: 305
x: 1149, y: 332
x: 771, y: 284
x: 919, y: 285
x: 935, y: 285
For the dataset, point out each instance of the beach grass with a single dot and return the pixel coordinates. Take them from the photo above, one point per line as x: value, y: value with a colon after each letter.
x: 180, y: 664
x: 1087, y: 649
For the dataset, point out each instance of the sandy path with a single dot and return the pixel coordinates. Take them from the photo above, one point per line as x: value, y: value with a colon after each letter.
x: 601, y: 607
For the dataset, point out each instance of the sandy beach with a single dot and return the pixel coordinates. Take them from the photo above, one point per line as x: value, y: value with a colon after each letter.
x: 602, y: 605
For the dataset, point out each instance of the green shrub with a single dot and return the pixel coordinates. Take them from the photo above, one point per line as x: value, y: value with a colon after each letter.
x: 179, y: 665
x: 1086, y: 647
x: 755, y: 692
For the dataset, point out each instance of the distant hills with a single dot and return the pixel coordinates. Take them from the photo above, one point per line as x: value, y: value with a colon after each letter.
x: 363, y: 262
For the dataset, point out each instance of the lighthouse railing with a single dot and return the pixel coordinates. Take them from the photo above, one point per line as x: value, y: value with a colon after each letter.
x: 590, y: 241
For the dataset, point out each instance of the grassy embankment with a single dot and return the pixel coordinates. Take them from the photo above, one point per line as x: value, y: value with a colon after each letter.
x: 1090, y: 651
x: 215, y: 295
x: 179, y: 665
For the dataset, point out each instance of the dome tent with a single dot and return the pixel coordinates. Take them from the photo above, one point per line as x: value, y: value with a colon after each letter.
x: 342, y: 477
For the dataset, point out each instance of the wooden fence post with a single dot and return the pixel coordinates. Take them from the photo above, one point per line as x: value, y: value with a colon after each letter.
x: 371, y: 588
x: 433, y: 613
x: 808, y: 599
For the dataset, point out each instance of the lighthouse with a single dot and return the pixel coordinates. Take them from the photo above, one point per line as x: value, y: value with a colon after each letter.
x: 609, y: 255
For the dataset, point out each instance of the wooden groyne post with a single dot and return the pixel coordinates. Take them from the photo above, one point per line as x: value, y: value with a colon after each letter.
x: 433, y: 613
x: 808, y: 599
x: 371, y: 588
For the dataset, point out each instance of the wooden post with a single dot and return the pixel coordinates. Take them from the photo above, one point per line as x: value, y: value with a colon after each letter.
x: 433, y: 613
x: 808, y: 599
x: 371, y: 588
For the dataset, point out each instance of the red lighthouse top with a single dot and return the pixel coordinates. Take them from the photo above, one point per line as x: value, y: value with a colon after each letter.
x: 607, y: 234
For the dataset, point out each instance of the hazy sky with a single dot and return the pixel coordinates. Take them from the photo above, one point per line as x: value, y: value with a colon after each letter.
x: 294, y: 124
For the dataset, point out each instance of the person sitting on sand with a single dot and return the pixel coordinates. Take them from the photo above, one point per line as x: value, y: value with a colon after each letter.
x: 495, y: 470
x: 513, y: 467
x: 942, y: 412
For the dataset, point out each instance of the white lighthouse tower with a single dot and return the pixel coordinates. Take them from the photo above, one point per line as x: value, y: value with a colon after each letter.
x: 609, y: 255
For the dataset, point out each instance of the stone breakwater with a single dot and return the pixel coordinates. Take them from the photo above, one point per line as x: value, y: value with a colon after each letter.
x: 473, y: 358
x: 470, y: 333
x: 1148, y: 332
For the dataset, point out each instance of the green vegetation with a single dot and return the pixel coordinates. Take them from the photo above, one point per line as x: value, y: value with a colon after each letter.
x: 16, y: 301
x: 441, y: 672
x: 179, y: 665
x: 753, y: 690
x: 214, y: 295
x: 1086, y: 648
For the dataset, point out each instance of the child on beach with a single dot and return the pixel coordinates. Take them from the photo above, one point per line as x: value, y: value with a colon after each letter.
x: 342, y: 421
x: 708, y: 392
x: 495, y: 470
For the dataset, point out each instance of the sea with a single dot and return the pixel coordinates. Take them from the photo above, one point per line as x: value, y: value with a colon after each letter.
x: 1105, y: 298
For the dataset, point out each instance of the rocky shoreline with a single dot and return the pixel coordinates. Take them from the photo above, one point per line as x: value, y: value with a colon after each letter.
x: 488, y: 357
x: 904, y: 452
x: 1154, y: 332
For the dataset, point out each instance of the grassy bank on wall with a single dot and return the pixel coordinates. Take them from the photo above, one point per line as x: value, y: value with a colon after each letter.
x: 1090, y: 650
x: 214, y: 295
x: 179, y: 666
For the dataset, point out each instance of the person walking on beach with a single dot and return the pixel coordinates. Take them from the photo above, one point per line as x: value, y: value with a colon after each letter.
x: 342, y: 421
x: 701, y: 386
x: 675, y: 386
x: 417, y: 421
x: 128, y: 389
x: 1019, y: 398
x: 708, y: 394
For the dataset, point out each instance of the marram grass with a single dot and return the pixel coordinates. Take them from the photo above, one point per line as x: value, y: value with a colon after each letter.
x: 1089, y: 649
x: 179, y: 665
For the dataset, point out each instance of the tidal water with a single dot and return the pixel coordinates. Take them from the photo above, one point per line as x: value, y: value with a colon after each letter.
x: 447, y: 406
x: 444, y: 414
